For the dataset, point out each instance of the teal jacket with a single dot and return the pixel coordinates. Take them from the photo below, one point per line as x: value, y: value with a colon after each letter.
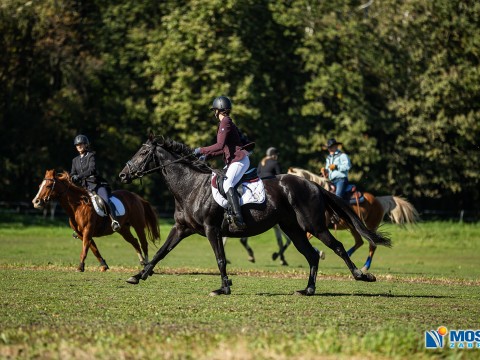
x: 343, y: 165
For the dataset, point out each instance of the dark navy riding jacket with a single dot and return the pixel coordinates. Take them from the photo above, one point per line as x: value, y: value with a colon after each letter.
x: 85, y: 167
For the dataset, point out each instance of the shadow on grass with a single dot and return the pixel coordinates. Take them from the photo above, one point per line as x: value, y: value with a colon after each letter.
x: 384, y: 295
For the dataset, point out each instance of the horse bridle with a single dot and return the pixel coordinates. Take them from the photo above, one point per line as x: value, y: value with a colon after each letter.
x: 139, y: 171
x: 47, y: 197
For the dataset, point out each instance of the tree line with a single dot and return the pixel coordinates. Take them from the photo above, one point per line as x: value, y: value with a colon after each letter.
x: 397, y: 82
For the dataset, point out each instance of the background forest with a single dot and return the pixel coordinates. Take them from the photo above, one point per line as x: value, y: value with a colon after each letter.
x: 398, y: 82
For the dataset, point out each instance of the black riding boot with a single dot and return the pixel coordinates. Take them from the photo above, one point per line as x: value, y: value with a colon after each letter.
x: 234, y: 202
x: 111, y: 214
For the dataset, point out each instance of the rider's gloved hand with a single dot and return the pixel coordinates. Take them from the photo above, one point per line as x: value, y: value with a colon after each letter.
x: 202, y: 157
x: 332, y: 166
x: 75, y: 178
x: 197, y: 152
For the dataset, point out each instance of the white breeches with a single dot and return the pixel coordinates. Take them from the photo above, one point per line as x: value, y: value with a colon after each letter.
x: 234, y: 173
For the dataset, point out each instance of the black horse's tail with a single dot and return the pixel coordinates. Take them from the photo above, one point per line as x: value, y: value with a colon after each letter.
x: 337, y: 206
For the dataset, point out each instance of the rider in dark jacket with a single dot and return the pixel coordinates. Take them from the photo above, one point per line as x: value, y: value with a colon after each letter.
x: 84, y: 173
x: 269, y: 166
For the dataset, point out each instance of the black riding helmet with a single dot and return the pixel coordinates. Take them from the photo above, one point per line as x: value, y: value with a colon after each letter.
x: 81, y: 139
x: 222, y: 103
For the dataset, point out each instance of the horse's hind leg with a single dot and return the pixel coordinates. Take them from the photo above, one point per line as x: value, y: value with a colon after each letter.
x: 244, y: 242
x: 281, y: 247
x: 328, y: 239
x: 358, y: 242
x: 299, y: 239
x: 368, y: 262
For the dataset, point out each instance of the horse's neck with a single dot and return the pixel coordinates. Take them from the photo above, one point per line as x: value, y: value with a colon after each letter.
x: 70, y: 200
x: 182, y: 180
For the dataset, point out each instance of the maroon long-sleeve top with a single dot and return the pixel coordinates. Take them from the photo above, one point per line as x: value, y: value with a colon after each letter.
x: 228, y: 143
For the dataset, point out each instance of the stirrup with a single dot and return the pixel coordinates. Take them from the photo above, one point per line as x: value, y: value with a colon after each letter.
x: 115, y: 225
x: 240, y: 225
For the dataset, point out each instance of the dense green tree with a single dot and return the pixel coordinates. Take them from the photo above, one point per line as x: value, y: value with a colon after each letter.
x: 396, y: 82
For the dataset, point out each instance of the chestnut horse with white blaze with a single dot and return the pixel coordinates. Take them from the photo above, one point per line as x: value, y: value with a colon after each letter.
x: 85, y: 221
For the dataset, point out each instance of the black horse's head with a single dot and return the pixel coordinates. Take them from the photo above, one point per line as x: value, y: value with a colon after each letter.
x: 144, y: 160
x: 156, y: 154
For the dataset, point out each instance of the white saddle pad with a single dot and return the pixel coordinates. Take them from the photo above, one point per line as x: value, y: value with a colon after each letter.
x: 252, y: 193
x: 119, y: 208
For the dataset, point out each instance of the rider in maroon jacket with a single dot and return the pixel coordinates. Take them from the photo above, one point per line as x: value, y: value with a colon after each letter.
x: 235, y: 157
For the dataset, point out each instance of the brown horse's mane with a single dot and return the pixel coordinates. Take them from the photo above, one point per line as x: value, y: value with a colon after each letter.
x: 65, y: 177
x: 180, y: 149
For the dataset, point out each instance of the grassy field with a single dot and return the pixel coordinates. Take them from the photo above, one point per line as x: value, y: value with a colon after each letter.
x: 429, y: 278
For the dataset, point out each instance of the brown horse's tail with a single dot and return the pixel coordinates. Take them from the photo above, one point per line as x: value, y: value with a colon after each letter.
x: 153, y: 231
x: 399, y: 209
x: 339, y: 207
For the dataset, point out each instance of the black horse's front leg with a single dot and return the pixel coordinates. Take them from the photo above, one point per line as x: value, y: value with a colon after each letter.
x: 177, y: 234
x: 213, y: 235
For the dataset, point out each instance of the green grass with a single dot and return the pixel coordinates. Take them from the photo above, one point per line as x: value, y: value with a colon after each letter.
x: 429, y: 278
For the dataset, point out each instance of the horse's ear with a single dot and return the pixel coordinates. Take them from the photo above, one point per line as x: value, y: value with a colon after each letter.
x: 151, y: 135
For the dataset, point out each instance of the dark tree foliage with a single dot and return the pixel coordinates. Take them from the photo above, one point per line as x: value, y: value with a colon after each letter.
x: 396, y: 82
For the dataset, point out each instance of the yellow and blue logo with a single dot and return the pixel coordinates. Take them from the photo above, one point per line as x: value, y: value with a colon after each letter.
x: 457, y: 339
x: 435, y: 339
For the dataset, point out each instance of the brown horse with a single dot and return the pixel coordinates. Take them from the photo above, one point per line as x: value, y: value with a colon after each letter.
x: 372, y: 211
x: 86, y: 223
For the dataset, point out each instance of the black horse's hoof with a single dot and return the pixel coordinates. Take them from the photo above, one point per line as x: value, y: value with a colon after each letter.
x: 284, y: 263
x: 222, y: 291
x: 274, y: 256
x: 360, y: 276
x: 309, y: 291
x: 133, y: 280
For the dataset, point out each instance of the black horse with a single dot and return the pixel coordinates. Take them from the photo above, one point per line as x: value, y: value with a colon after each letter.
x: 296, y: 204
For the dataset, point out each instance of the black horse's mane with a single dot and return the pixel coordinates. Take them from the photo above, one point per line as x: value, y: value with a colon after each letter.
x: 182, y: 150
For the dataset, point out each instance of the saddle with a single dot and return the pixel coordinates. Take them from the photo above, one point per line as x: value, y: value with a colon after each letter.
x: 355, y: 196
x: 99, y: 204
x: 249, y: 176
x: 250, y: 189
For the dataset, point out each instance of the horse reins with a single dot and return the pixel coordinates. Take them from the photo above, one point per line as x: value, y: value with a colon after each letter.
x: 141, y: 172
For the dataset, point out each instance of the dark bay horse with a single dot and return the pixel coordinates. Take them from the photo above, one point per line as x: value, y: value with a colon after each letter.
x: 76, y: 202
x: 371, y: 211
x: 296, y: 204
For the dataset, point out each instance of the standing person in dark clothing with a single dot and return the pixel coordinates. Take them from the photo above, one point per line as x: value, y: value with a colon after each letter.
x: 84, y: 173
x: 229, y: 145
x: 269, y: 165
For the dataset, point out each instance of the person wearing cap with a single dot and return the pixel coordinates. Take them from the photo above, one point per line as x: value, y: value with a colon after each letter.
x: 269, y: 166
x: 336, y: 168
x: 235, y: 154
x: 84, y: 173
